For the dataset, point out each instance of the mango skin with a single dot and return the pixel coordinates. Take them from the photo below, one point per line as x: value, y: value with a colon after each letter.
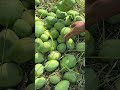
x: 40, y: 82
x: 65, y: 31
x: 70, y: 44
x: 54, y: 33
x: 62, y: 85
x: 39, y: 58
x: 59, y: 26
x: 11, y: 39
x: 30, y: 87
x: 70, y: 76
x: 114, y: 19
x: 39, y: 69
x: 54, y: 79
x: 68, y: 61
x: 10, y: 12
x: 110, y: 50
x: 11, y: 75
x: 42, y: 13
x: 90, y: 76
x: 45, y: 47
x: 23, y: 51
x: 51, y: 20
x: 28, y: 16
x: 61, y: 39
x: 66, y: 5
x: 61, y: 47
x: 51, y: 65
x: 22, y: 28
x: 39, y: 29
x: 54, y: 55
x: 80, y: 46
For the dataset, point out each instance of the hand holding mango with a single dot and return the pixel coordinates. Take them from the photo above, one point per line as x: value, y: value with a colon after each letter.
x: 77, y: 28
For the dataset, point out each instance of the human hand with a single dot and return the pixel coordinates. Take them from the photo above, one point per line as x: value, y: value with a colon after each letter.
x: 76, y: 29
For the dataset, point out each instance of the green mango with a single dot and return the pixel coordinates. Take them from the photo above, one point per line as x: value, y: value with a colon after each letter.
x: 65, y: 31
x: 54, y: 55
x: 73, y: 13
x: 22, y: 28
x: 54, y: 9
x: 29, y: 17
x: 62, y: 85
x: 51, y: 65
x: 30, y: 87
x: 39, y: 29
x: 90, y: 76
x: 37, y: 2
x: 10, y: 75
x: 61, y: 39
x: 110, y: 50
x: 37, y: 18
x: 52, y: 14
x: 48, y: 26
x: 79, y: 18
x: 62, y: 21
x: 10, y: 12
x: 40, y: 82
x: 61, y: 14
x: 44, y: 37
x: 47, y: 33
x: 114, y: 19
x: 39, y: 69
x: 40, y: 21
x: 70, y: 44
x: 61, y: 47
x: 10, y: 40
x: 89, y: 44
x: 70, y: 76
x: 39, y: 58
x: 80, y: 46
x: 59, y: 26
x: 66, y: 5
x: 45, y: 47
x: 68, y: 61
x: 51, y: 20
x: 53, y: 44
x: 23, y: 50
x: 38, y: 42
x: 54, y: 33
x: 42, y: 13
x: 68, y: 20
x: 54, y: 79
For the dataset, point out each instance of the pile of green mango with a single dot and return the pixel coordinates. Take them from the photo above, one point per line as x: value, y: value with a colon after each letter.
x: 16, y: 41
x: 53, y: 66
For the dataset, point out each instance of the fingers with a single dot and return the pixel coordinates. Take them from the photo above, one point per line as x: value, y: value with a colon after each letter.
x: 78, y: 24
x: 69, y: 35
x: 73, y: 32
x: 73, y: 25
